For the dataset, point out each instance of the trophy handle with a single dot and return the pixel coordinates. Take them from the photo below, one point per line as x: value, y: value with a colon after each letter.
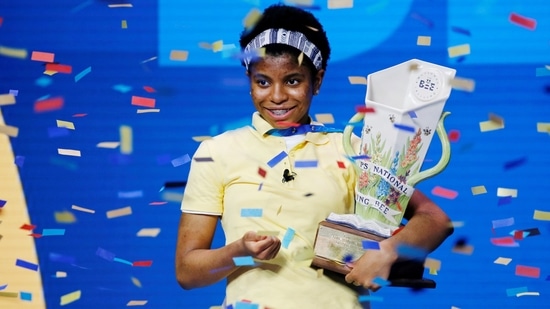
x: 348, y: 130
x: 445, y: 155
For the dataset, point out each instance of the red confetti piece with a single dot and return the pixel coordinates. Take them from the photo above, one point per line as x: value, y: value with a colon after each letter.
x: 59, y: 68
x: 397, y: 231
x: 80, y: 115
x: 141, y: 101
x: 527, y: 271
x: 288, y: 124
x: 1, y: 21
x: 262, y: 172
x: 149, y: 89
x: 443, y: 192
x: 28, y: 227
x: 35, y: 235
x: 503, y: 241
x: 523, y: 21
x: 454, y: 135
x: 142, y: 263
x: 364, y: 109
x: 341, y: 164
x: 518, y: 235
x: 42, y: 56
x: 48, y: 105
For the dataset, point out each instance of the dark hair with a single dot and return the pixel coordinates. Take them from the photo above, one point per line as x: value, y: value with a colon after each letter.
x: 280, y: 16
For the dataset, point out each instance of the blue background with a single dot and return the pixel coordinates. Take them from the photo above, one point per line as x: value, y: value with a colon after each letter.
x: 209, y: 94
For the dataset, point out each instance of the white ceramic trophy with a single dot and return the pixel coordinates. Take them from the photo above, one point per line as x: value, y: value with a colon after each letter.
x: 407, y: 102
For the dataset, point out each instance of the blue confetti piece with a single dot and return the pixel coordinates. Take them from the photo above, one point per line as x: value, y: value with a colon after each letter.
x: 371, y: 245
x: 412, y: 114
x: 363, y: 298
x: 53, y: 232
x: 119, y: 260
x: 3, y: 287
x: 504, y: 200
x: 514, y: 291
x: 130, y: 194
x: 122, y: 88
x: 542, y: 72
x: 25, y: 296
x: 82, y: 74
x: 243, y: 261
x: 348, y: 258
x: 289, y: 235
x: 380, y: 281
x: 27, y: 265
x: 57, y: 132
x: 360, y: 157
x: 411, y: 252
x: 246, y: 305
x: 56, y: 257
x: 181, y: 160
x: 2, y: 203
x: 19, y: 161
x: 14, y: 92
x: 305, y: 164
x: 109, y: 256
x: 43, y: 81
x: 404, y: 127
x: 251, y: 212
x: 515, y: 163
x: 278, y: 158
x: 461, y: 30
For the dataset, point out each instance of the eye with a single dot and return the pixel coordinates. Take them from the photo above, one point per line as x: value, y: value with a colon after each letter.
x: 293, y: 82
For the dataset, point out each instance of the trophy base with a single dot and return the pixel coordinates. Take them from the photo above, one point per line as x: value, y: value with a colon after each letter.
x: 336, y: 243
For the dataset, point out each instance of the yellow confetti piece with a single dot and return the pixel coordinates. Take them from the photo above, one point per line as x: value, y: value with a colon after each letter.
x: 543, y: 127
x: 324, y: 118
x: 126, y: 143
x: 124, y: 24
x: 432, y: 264
x: 201, y: 138
x: 465, y: 249
x: 459, y: 50
x: 339, y: 4
x: 424, y: 40
x: 279, y: 210
x: 494, y: 123
x: 503, y: 261
x: 9, y: 130
x: 179, y: 55
x: 60, y: 274
x: 75, y: 207
x: 496, y: 119
x: 300, y: 58
x: 357, y: 80
x: 456, y: 224
x: 251, y: 18
x: 267, y: 233
x: 433, y: 272
x: 312, y: 28
x: 136, y: 282
x: 504, y: 192
x: 122, y: 5
x: 9, y: 294
x: 13, y: 52
x: 463, y: 84
x: 64, y: 217
x: 205, y: 45
x: 110, y: 145
x: 68, y: 152
x: 7, y: 99
x: 541, y: 215
x: 65, y: 124
x: 478, y: 190
x: 148, y: 232
x: 148, y: 110
x: 217, y: 46
x: 137, y: 303
x: 70, y: 297
x: 49, y: 72
x: 120, y: 212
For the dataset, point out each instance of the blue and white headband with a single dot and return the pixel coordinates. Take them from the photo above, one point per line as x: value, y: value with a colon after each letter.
x: 282, y: 36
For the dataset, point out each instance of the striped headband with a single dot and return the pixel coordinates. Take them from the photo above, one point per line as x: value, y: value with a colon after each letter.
x: 282, y: 36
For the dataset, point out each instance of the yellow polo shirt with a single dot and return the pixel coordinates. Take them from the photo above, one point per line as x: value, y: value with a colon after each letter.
x: 238, y: 175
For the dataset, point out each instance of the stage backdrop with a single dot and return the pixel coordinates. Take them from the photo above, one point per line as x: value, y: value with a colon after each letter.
x: 104, y: 101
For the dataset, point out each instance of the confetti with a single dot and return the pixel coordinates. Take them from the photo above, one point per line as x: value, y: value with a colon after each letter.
x: 13, y: 52
x: 7, y: 99
x: 381, y: 281
x: 70, y: 297
x: 198, y: 159
x: 137, y: 303
x: 83, y: 73
x: 121, y: 5
x: 42, y: 56
x: 523, y: 21
x: 9, y: 294
x: 423, y: 40
x: 122, y: 88
x: 527, y: 271
x: 543, y: 127
x: 545, y: 71
x: 136, y: 282
x: 485, y: 126
x: 28, y: 227
x: 515, y: 163
x: 460, y: 30
x: 64, y: 217
x: 26, y: 264
x: 65, y: 124
x: 464, y: 84
x: 503, y: 222
x: 142, y: 101
x: 370, y: 245
x: 2, y: 203
x: 357, y: 80
x: 341, y: 164
x: 411, y: 252
x: 503, y: 261
x: 324, y: 118
x: 120, y: 212
x: 149, y: 110
x: 53, y: 232
x: 463, y: 249
x: 43, y: 81
x: 110, y: 145
x: 60, y: 68
x: 69, y: 152
x: 126, y: 143
x: 179, y: 55
x: 9, y: 130
x: 515, y: 291
x: 142, y: 263
x: 119, y: 260
x: 364, y: 109
x: 528, y: 294
x: 404, y: 127
x: 124, y: 24
x: 478, y: 190
x: 181, y: 160
x: 532, y: 232
x: 364, y: 298
x: 243, y: 261
x: 289, y: 235
x: 339, y: 4
x: 278, y: 158
x: 148, y: 232
x: 459, y: 50
x: 267, y: 233
x: 541, y: 215
x: 504, y: 200
x: 130, y: 194
x: 251, y: 18
x: 305, y: 164
x: 504, y: 241
x: 251, y: 212
x: 107, y: 255
x: 75, y: 207
x: 60, y: 274
x: 48, y: 105
x: 503, y: 192
x: 445, y: 193
x: 201, y: 138
x: 432, y: 264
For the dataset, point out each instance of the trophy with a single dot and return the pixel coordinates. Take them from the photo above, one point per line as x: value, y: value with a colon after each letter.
x: 407, y: 103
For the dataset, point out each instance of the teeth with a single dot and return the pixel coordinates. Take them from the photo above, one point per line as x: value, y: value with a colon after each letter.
x: 279, y: 112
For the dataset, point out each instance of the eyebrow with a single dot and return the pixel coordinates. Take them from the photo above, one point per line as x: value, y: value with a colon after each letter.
x: 289, y: 76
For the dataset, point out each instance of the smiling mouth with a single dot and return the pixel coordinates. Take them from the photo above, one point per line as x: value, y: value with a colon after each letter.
x: 279, y: 112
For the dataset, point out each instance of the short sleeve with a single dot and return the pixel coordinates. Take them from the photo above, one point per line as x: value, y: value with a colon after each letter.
x: 204, y: 190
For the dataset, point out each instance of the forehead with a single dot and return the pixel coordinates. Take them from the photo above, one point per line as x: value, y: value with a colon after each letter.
x: 281, y: 64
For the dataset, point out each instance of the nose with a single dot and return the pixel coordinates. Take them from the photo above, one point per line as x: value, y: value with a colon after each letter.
x: 278, y: 94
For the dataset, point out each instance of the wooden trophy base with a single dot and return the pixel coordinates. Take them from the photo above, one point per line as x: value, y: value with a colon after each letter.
x: 335, y: 243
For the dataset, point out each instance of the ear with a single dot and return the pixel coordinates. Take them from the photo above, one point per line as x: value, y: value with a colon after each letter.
x: 318, y: 81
